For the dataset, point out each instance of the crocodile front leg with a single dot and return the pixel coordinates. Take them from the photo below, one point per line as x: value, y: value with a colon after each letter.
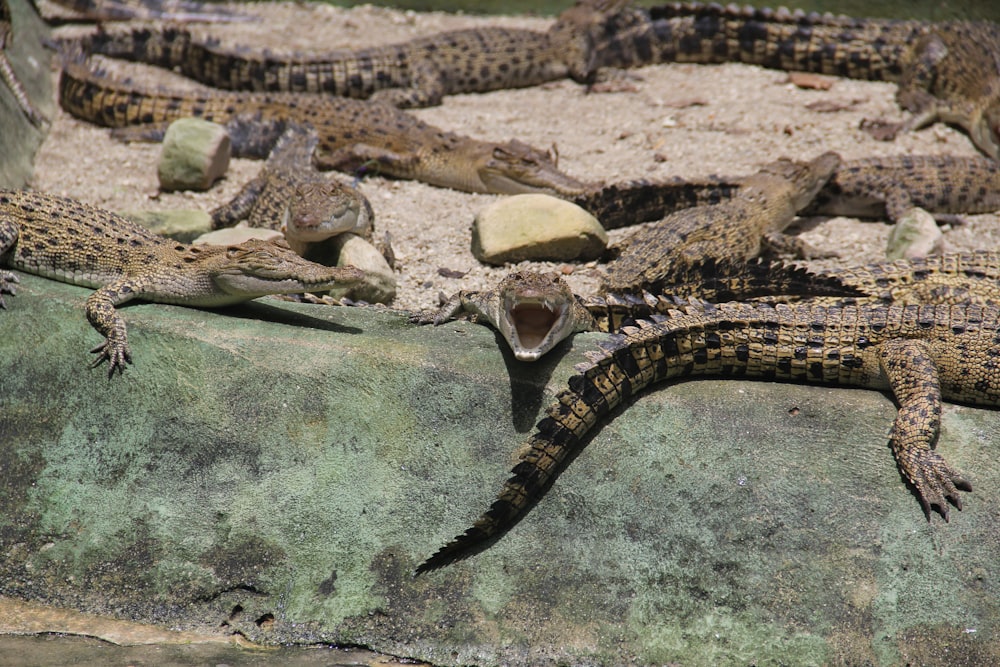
x: 913, y: 377
x: 103, y: 317
x: 240, y: 206
x: 9, y: 234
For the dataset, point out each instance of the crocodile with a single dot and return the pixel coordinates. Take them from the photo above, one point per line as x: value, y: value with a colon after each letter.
x: 733, y: 230
x: 185, y: 11
x: 416, y: 73
x: 919, y: 354
x: 353, y: 134
x: 874, y: 188
x: 66, y: 240
x: 535, y: 311
x: 887, y: 187
x: 291, y: 196
x: 944, y: 71
x: 7, y: 73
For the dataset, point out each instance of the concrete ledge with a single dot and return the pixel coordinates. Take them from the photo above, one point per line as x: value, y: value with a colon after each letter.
x: 279, y: 469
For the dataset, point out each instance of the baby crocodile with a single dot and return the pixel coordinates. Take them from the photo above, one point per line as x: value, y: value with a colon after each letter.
x: 877, y: 188
x: 151, y: 10
x: 733, y: 230
x: 417, y: 73
x: 534, y: 311
x: 921, y: 354
x: 352, y: 134
x: 290, y: 195
x: 944, y: 71
x: 66, y: 240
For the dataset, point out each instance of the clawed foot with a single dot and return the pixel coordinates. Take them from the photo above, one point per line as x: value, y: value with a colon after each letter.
x: 423, y: 317
x: 116, y: 354
x: 937, y: 483
x: 7, y: 281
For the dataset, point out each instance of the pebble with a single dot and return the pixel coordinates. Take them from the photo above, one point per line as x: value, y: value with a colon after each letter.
x: 536, y: 227
x: 195, y: 155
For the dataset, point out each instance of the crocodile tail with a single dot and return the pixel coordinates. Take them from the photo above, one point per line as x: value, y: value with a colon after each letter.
x: 530, y: 479
x: 632, y: 202
x: 165, y: 46
x: 593, y: 393
x: 869, y: 49
x: 719, y: 280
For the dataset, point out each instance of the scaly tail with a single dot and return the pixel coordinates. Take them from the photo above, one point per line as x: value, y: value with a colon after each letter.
x: 629, y: 365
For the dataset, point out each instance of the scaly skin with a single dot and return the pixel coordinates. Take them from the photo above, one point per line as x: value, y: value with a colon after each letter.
x: 417, y: 73
x: 352, y: 133
x: 534, y: 312
x: 887, y: 187
x: 291, y: 196
x: 945, y: 71
x: 878, y: 188
x: 921, y: 354
x: 968, y: 278
x: 66, y: 240
x: 731, y: 231
x: 151, y: 10
x: 628, y: 203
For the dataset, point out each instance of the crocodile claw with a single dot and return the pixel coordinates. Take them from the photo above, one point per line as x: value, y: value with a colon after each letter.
x: 117, y: 355
x: 937, y: 483
x: 7, y: 280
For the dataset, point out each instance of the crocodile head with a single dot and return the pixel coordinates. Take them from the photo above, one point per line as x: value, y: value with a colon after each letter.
x: 583, y: 36
x: 318, y: 210
x: 516, y: 168
x: 806, y: 178
x: 256, y: 268
x: 537, y: 312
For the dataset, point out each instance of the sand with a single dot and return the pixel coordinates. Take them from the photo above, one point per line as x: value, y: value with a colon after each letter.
x: 653, y: 122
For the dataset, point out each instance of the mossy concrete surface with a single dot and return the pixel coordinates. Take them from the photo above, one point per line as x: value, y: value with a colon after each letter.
x: 19, y: 139
x: 279, y: 470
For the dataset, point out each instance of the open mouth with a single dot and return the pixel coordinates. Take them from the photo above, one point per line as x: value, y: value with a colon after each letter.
x: 533, y: 324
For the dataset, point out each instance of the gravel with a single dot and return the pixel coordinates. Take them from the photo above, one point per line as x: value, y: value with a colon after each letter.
x: 653, y: 122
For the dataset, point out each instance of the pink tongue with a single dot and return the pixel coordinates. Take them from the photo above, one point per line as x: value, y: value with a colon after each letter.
x: 532, y: 323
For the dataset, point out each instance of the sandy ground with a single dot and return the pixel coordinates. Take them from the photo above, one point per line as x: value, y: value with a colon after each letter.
x: 657, y: 122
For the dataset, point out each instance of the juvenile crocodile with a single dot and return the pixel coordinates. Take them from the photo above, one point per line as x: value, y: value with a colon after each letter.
x: 944, y: 71
x: 921, y: 354
x: 887, y: 187
x: 416, y: 73
x: 66, y: 240
x: 733, y: 230
x: 353, y: 134
x: 291, y: 196
x: 535, y: 311
x: 877, y: 188
x: 151, y: 10
x: 8, y: 74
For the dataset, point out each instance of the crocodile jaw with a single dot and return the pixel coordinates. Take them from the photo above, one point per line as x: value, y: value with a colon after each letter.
x: 534, y: 326
x: 256, y: 268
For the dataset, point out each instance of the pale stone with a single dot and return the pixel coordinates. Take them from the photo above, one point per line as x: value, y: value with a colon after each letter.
x: 537, y: 227
x: 379, y: 285
x: 233, y: 235
x: 916, y: 234
x: 195, y: 154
